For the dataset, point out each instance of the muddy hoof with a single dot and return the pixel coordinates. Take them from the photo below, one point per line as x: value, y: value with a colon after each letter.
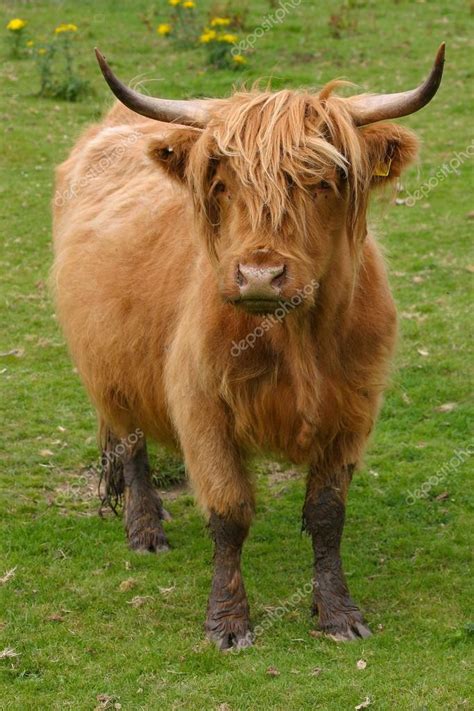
x: 346, y: 628
x: 229, y: 631
x: 230, y: 641
x: 151, y: 540
x: 350, y: 633
x: 143, y: 525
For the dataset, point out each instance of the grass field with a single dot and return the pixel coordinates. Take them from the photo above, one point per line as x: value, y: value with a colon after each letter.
x: 96, y: 626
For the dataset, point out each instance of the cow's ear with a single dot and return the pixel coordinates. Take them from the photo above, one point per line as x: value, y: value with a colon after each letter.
x: 390, y: 149
x: 171, y: 151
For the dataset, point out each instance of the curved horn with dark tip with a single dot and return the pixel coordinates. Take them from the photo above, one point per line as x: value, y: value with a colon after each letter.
x: 189, y: 113
x: 379, y: 107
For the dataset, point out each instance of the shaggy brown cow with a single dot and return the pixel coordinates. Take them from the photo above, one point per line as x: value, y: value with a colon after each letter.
x: 219, y: 291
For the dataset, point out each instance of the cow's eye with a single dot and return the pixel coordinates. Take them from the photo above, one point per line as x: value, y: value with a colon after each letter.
x: 164, y: 153
x: 323, y: 185
x: 220, y: 187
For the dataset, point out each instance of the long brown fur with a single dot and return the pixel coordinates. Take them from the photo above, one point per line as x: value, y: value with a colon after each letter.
x: 146, y: 248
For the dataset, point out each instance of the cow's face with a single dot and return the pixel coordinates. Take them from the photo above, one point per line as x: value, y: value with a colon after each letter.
x: 280, y: 188
x: 261, y: 263
x: 280, y: 181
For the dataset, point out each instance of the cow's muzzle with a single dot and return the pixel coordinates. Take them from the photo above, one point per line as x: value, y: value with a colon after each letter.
x: 260, y: 287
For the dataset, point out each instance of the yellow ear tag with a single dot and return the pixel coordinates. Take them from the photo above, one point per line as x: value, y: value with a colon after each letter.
x: 383, y: 169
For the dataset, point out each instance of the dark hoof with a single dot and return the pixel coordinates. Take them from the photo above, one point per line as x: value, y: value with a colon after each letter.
x: 347, y: 627
x: 351, y: 633
x: 143, y: 524
x: 231, y: 641
x: 229, y: 631
x: 151, y: 540
x: 152, y: 547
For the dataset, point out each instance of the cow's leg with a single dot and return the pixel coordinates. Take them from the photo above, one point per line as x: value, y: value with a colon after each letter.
x: 227, y: 621
x: 125, y: 462
x: 323, y: 518
x: 143, y: 508
x: 225, y: 492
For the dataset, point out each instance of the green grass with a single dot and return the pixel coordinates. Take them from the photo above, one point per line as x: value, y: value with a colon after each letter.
x: 74, y: 630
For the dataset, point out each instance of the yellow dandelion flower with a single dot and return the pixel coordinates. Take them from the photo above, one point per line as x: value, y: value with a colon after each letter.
x: 30, y: 43
x: 227, y: 37
x: 16, y: 25
x: 41, y: 50
x: 174, y: 2
x: 208, y: 36
x: 239, y: 59
x: 220, y: 22
x: 65, y: 27
x: 164, y: 29
x: 189, y: 4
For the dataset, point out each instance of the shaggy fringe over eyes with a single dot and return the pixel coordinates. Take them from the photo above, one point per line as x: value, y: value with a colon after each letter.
x: 276, y: 141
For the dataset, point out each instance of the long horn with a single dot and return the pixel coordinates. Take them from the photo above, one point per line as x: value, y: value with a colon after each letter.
x: 378, y: 107
x: 189, y: 113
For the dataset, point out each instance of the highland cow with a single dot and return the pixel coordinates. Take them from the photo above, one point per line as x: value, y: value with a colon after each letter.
x: 181, y: 227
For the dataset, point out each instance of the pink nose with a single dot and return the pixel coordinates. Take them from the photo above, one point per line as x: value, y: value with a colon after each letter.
x: 260, y: 282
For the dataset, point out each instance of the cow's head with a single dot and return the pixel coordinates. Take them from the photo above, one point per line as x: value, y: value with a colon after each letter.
x: 280, y: 181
